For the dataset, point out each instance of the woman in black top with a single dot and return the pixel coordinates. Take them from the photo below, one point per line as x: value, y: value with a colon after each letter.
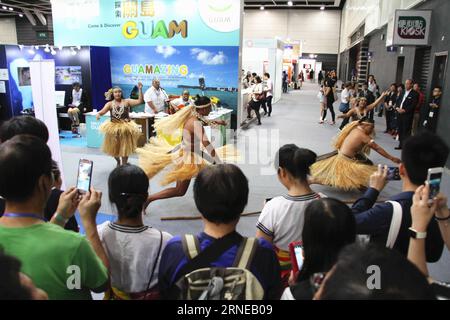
x: 329, y: 226
x: 329, y: 99
x: 390, y: 101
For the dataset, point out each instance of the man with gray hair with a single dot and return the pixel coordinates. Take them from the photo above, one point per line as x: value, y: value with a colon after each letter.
x: 155, y: 98
x: 405, y: 110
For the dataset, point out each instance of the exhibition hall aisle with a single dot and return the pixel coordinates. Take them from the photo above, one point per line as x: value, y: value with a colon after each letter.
x: 294, y: 120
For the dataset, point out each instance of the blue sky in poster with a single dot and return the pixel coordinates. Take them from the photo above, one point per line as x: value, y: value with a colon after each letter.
x: 177, y: 65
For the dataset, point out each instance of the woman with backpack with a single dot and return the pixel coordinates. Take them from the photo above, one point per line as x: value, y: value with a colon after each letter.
x: 133, y: 248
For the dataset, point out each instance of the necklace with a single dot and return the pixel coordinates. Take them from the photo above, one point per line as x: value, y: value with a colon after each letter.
x: 24, y: 215
x: 117, y: 111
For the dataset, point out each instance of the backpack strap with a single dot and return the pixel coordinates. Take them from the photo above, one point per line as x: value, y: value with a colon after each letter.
x: 210, y: 254
x: 396, y: 222
x: 191, y: 246
x: 246, y: 253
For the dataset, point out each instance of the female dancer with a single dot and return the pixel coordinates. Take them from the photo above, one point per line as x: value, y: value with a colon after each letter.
x: 185, y: 161
x: 121, y: 134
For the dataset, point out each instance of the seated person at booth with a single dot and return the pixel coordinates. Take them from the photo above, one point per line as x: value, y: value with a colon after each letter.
x: 77, y: 102
x: 183, y: 101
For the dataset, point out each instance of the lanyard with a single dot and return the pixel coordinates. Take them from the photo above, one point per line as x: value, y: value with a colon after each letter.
x: 24, y: 215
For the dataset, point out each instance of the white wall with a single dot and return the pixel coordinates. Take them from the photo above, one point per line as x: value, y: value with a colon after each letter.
x: 373, y: 13
x: 8, y: 33
x: 320, y: 29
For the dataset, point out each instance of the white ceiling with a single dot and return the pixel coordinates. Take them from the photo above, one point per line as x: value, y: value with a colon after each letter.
x: 305, y: 4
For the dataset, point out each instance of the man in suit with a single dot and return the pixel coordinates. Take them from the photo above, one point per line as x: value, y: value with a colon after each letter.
x: 366, y: 93
x: 405, y: 110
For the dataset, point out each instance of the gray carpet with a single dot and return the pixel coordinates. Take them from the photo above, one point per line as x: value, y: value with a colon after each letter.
x: 294, y: 120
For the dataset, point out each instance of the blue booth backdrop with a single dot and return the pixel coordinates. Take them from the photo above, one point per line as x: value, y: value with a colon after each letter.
x: 92, y: 62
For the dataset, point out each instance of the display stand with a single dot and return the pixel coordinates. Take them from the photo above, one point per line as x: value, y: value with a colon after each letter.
x: 43, y: 89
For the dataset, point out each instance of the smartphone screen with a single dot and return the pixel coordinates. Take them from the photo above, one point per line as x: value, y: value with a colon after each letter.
x: 434, y: 180
x: 299, y: 256
x: 393, y: 174
x: 84, y: 175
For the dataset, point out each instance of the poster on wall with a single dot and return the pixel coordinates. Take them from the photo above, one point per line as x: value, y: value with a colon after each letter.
x: 146, y: 22
x: 23, y: 74
x: 411, y: 27
x: 67, y: 75
x: 186, y: 44
x: 210, y: 71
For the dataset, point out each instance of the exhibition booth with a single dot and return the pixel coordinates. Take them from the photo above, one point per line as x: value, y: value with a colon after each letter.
x: 102, y: 43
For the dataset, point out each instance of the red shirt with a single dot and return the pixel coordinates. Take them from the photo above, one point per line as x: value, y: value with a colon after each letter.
x: 420, y: 102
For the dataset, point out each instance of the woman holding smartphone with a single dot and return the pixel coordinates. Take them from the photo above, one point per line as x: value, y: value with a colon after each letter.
x: 121, y: 134
x: 329, y: 227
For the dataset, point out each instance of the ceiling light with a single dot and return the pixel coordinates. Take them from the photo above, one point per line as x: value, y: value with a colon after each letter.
x: 36, y: 47
x: 261, y: 8
x: 4, y: 8
x: 10, y: 9
x: 31, y: 51
x: 20, y: 15
x: 47, y: 49
x: 290, y: 3
x: 322, y: 8
x: 53, y: 52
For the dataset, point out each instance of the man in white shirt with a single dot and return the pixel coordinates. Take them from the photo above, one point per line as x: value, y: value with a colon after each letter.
x: 155, y: 98
x: 345, y: 103
x: 181, y: 102
x: 269, y: 94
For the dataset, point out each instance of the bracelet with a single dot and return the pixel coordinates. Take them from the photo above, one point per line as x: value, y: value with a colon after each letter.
x: 59, y: 218
x: 441, y: 219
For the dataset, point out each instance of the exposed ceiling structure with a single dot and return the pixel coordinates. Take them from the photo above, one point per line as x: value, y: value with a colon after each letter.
x: 33, y: 10
x: 305, y: 4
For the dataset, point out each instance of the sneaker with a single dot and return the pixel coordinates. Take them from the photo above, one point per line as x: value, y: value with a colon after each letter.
x: 321, y: 122
x: 332, y: 123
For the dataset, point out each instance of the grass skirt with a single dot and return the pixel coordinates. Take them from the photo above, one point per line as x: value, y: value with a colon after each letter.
x: 177, y: 164
x: 120, y: 138
x: 342, y: 172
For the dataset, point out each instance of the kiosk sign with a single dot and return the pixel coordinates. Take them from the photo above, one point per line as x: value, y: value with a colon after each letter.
x: 412, y: 27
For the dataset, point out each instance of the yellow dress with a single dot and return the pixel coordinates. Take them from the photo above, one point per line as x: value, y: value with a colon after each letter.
x: 121, y: 134
x: 178, y: 164
x: 340, y: 171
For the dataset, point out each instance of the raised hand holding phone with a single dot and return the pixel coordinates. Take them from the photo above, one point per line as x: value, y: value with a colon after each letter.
x: 84, y: 176
x: 434, y: 182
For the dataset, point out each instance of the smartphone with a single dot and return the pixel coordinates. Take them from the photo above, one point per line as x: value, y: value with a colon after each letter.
x: 84, y: 176
x: 434, y: 181
x: 393, y: 174
x: 296, y: 252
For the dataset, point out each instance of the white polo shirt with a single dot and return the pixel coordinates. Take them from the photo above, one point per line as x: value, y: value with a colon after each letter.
x: 158, y: 97
x: 283, y: 218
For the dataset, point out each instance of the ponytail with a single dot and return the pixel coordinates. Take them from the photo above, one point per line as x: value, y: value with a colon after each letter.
x: 295, y: 160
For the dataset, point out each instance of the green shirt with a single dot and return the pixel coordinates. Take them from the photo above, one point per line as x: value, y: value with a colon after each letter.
x: 49, y: 253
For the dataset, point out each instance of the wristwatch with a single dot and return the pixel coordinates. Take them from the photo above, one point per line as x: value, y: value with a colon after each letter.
x: 417, y: 235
